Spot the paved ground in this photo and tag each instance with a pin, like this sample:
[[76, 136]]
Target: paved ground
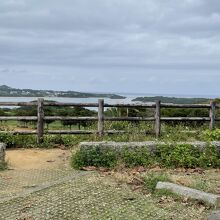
[[79, 195], [32, 194]]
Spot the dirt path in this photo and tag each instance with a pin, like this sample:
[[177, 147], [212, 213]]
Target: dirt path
[[37, 158]]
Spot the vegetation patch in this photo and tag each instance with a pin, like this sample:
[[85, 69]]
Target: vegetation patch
[[151, 180], [95, 156], [50, 141], [188, 156], [167, 155], [212, 135], [3, 166]]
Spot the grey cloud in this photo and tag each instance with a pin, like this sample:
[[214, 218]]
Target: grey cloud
[[145, 37]]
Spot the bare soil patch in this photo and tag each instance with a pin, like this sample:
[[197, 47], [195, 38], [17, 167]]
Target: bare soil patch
[[37, 158]]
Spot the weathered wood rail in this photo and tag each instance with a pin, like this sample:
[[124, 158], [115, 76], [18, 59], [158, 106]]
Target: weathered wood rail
[[41, 118]]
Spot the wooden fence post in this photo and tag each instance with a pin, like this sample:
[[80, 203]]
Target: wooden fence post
[[157, 119], [101, 117], [40, 120], [119, 112], [212, 115]]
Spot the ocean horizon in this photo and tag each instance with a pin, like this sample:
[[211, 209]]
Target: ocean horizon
[[128, 99]]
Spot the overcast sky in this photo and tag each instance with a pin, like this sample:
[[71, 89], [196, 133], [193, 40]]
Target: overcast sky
[[133, 46]]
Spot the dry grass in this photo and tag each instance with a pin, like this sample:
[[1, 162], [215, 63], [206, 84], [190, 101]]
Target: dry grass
[[206, 180]]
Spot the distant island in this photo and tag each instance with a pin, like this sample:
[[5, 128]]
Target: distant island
[[6, 91], [173, 100]]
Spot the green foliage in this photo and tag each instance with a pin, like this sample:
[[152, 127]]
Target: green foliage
[[187, 112], [178, 133], [135, 128], [3, 166], [109, 157], [131, 112], [122, 125], [136, 157], [173, 100], [182, 155], [151, 180], [66, 140], [76, 111], [187, 156], [212, 135], [167, 193], [6, 91], [24, 111], [181, 112], [95, 156], [2, 112], [29, 141], [18, 140], [200, 185], [210, 157]]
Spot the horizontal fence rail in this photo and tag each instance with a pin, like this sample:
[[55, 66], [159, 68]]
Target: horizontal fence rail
[[18, 104], [18, 118], [41, 118], [133, 105]]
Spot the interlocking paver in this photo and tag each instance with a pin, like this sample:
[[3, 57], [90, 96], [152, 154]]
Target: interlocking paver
[[85, 195], [16, 181]]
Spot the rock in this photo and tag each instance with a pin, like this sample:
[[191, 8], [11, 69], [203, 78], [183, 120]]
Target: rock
[[215, 215], [209, 198], [152, 145], [2, 152]]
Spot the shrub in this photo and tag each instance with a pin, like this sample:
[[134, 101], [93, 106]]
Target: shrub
[[212, 135], [95, 156], [3, 166], [209, 157], [188, 156], [182, 155], [27, 141], [136, 157], [18, 140], [109, 157]]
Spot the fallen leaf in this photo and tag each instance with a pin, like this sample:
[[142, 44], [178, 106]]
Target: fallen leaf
[[50, 161]]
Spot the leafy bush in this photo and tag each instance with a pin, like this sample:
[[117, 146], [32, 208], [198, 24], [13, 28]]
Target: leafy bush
[[2, 112], [210, 157], [18, 140], [95, 156], [182, 155], [212, 135], [136, 157], [3, 166], [30, 141], [109, 157], [187, 156], [118, 125]]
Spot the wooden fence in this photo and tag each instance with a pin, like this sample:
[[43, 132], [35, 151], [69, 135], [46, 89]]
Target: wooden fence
[[41, 118]]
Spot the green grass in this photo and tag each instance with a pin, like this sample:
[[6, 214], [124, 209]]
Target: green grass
[[206, 180], [151, 180]]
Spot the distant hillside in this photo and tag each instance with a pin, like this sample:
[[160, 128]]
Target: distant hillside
[[173, 100], [6, 91]]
